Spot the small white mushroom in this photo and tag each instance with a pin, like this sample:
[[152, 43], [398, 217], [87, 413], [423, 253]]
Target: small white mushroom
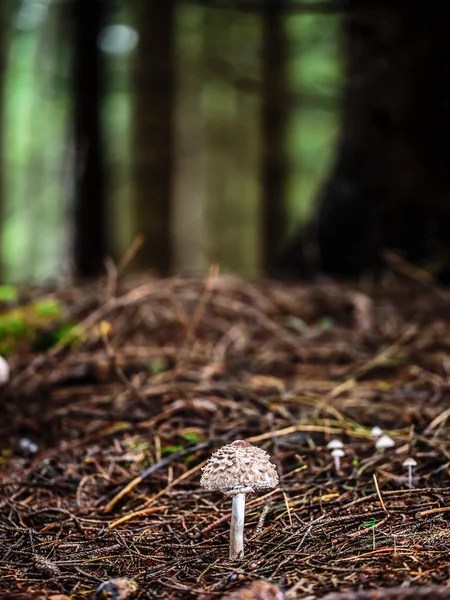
[[335, 444], [27, 447], [337, 454], [376, 432], [384, 442], [410, 463], [236, 470], [4, 370]]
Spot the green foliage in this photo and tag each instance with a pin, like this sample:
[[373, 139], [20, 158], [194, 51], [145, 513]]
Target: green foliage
[[13, 329], [4, 455], [326, 323], [48, 308], [190, 436], [170, 450], [8, 293], [70, 334], [371, 523], [156, 366], [13, 323], [37, 326], [73, 335]]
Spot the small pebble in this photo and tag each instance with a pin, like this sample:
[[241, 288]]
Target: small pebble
[[120, 588], [258, 590]]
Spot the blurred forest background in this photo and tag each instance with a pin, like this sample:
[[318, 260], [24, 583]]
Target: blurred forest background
[[280, 137]]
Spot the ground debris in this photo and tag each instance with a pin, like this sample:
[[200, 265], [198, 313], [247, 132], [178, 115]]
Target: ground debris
[[121, 588], [396, 593], [258, 590], [125, 417]]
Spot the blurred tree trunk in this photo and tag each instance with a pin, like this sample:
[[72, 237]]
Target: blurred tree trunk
[[5, 19], [391, 182], [90, 218], [152, 143], [2, 81], [189, 231], [232, 140], [274, 112]]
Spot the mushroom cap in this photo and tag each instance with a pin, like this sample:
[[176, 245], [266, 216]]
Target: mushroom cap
[[335, 444], [239, 468], [4, 370], [384, 442], [376, 431], [338, 452], [409, 462]]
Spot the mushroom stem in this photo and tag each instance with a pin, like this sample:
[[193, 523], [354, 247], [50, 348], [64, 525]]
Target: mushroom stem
[[237, 527], [410, 476]]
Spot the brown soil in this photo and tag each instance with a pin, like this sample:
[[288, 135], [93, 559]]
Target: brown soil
[[167, 371]]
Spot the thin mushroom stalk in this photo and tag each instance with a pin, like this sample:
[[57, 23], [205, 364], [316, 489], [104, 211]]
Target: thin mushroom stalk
[[237, 526], [337, 454], [410, 476], [410, 463]]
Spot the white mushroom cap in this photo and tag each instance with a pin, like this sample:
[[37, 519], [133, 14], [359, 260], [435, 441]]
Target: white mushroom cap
[[338, 453], [376, 431], [4, 370], [239, 468], [409, 462], [384, 442], [334, 444]]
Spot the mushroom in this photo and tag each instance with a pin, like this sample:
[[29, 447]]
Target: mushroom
[[410, 463], [337, 454], [384, 442], [376, 432], [335, 445], [4, 370], [235, 470]]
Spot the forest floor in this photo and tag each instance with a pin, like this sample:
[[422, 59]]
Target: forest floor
[[120, 392]]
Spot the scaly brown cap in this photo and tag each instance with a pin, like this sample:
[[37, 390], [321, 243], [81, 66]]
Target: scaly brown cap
[[239, 468]]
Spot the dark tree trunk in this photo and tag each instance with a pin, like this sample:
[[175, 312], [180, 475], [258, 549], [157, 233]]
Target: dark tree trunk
[[90, 221], [390, 188], [274, 58], [152, 142]]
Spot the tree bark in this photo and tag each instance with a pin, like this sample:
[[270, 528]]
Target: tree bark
[[390, 184], [152, 133], [274, 57], [90, 218]]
